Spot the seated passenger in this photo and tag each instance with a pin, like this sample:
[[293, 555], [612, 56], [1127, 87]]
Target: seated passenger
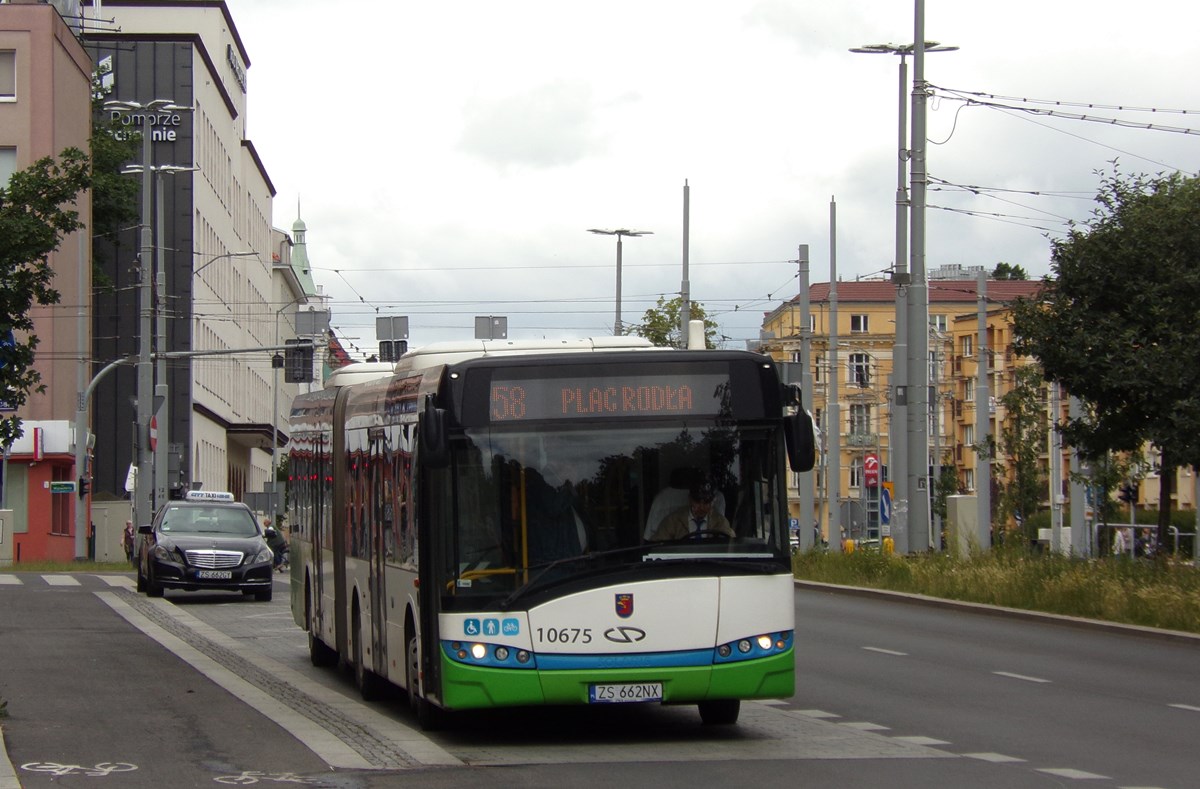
[[699, 516]]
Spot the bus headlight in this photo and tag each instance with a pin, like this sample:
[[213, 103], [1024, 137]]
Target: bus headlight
[[478, 651]]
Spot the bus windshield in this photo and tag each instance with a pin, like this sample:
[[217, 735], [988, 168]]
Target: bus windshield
[[591, 501]]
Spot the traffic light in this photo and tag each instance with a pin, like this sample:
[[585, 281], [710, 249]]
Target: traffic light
[[1128, 493], [85, 486], [298, 362]]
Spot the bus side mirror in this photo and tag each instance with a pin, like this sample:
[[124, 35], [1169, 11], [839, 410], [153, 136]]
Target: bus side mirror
[[801, 441], [435, 446]]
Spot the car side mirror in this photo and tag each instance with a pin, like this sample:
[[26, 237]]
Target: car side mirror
[[146, 528]]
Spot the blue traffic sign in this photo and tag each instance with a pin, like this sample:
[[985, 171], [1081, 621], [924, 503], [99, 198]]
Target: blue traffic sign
[[885, 506]]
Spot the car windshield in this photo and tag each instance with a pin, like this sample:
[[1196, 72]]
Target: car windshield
[[226, 521]]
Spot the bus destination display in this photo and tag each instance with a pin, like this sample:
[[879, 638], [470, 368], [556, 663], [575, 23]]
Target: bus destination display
[[609, 395]]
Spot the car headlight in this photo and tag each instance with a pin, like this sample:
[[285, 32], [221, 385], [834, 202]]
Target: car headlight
[[163, 553], [263, 555]]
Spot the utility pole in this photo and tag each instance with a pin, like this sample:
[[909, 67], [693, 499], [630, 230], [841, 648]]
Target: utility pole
[[805, 483], [918, 312]]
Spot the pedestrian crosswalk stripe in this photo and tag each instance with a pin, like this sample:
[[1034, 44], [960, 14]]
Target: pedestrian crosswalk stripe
[[9, 579], [61, 580]]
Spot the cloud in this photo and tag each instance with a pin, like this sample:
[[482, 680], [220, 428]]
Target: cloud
[[550, 125]]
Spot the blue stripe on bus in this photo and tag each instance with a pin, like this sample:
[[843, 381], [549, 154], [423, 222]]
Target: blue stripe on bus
[[696, 657]]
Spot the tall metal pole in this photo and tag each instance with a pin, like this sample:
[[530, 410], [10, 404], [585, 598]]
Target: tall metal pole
[[162, 410], [983, 421], [898, 424], [685, 287], [82, 374], [145, 368], [805, 483], [833, 423], [617, 320], [918, 312]]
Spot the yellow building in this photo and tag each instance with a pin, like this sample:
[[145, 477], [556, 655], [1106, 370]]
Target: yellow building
[[865, 361]]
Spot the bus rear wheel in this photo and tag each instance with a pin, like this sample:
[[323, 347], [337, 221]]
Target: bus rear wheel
[[720, 712], [370, 686], [319, 653]]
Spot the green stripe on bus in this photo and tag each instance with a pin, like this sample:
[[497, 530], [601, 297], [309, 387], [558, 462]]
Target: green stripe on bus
[[477, 687]]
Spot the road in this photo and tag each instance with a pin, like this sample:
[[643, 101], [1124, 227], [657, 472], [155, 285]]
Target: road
[[109, 688]]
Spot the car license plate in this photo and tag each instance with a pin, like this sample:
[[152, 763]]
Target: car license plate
[[624, 693], [214, 575]]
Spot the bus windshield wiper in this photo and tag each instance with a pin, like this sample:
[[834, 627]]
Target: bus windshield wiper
[[545, 567]]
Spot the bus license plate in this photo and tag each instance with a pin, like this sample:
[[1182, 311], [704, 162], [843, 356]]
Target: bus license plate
[[215, 575], [625, 692]]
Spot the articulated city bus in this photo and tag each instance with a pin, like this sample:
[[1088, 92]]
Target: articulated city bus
[[479, 526]]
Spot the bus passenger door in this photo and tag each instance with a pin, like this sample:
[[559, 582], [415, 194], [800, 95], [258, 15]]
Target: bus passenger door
[[379, 484]]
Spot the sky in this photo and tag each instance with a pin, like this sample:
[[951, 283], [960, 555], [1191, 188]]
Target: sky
[[448, 158]]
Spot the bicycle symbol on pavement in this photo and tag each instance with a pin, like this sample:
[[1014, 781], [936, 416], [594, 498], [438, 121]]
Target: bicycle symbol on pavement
[[248, 777], [98, 771]]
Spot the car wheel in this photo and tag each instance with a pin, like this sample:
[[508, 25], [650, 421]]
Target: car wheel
[[720, 712], [153, 588], [141, 580]]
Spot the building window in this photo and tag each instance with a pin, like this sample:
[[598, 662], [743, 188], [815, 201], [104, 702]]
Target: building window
[[859, 324], [969, 479], [860, 419], [8, 164], [859, 370], [968, 389], [968, 345], [938, 323], [8, 75], [969, 435], [820, 360], [856, 472]]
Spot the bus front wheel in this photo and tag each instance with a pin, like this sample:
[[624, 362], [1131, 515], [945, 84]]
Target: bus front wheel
[[720, 712], [429, 715], [319, 653]]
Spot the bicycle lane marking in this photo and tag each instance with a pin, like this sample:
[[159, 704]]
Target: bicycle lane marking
[[330, 749]]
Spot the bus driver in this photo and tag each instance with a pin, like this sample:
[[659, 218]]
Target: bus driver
[[697, 517]]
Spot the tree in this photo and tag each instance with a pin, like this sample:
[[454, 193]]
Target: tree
[[1022, 442], [1006, 271], [114, 194], [33, 222], [1116, 325], [660, 324]]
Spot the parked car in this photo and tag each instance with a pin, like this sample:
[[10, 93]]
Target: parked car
[[208, 541]]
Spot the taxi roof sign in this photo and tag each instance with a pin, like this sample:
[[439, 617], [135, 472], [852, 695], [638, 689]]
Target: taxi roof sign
[[209, 495]]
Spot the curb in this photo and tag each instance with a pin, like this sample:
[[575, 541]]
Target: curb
[[1176, 636], [8, 774]]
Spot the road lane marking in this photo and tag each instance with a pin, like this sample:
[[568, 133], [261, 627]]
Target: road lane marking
[[818, 714], [917, 740], [864, 726], [1068, 772], [995, 758], [61, 580], [1023, 677], [1187, 707], [10, 580], [119, 581], [883, 651]]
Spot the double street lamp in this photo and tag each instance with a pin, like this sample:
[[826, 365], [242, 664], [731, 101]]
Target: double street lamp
[[908, 374], [150, 113], [619, 234]]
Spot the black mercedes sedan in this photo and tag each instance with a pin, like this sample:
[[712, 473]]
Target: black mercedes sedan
[[208, 541]]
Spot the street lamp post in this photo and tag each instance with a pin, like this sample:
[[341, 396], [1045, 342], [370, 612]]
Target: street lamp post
[[145, 368], [901, 278], [619, 234]]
